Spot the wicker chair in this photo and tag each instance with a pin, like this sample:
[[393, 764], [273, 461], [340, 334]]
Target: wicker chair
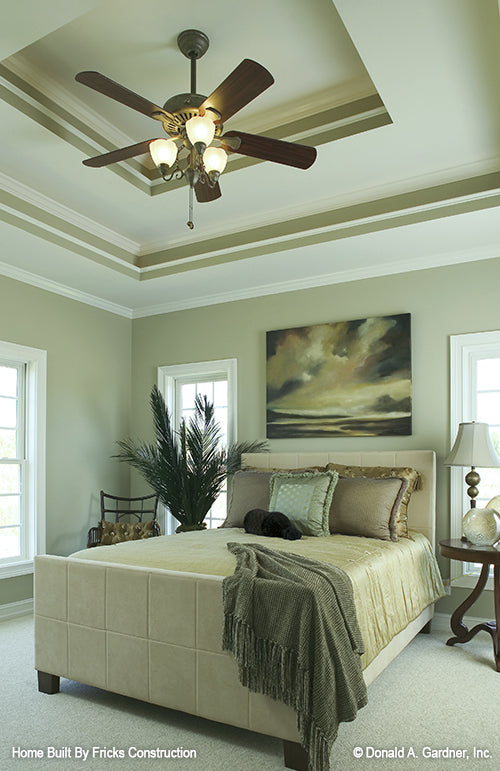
[[133, 511]]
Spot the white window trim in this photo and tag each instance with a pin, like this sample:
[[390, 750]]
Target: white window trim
[[220, 368], [464, 351], [36, 415]]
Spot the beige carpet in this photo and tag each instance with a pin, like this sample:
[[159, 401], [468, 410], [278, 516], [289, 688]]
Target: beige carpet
[[431, 696]]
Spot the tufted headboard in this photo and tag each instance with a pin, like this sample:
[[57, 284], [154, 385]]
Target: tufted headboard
[[422, 506]]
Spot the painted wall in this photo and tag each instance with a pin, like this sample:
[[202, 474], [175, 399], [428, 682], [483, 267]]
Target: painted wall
[[93, 400], [88, 408], [442, 301]]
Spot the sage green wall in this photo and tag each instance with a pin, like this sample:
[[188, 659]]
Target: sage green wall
[[88, 408], [442, 302]]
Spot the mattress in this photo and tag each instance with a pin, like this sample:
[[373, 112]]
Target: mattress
[[392, 581]]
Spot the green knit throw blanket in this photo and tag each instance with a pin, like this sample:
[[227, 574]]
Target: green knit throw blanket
[[291, 624]]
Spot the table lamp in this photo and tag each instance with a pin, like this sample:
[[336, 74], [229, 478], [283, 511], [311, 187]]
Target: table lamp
[[473, 448]]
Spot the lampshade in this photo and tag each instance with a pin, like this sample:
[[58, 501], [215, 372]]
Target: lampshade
[[200, 130], [215, 159], [473, 447], [163, 151]]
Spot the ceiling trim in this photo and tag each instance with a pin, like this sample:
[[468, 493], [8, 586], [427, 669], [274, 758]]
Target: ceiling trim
[[312, 282], [49, 205], [367, 216], [27, 277]]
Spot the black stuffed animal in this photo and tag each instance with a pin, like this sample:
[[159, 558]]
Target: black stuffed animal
[[271, 523]]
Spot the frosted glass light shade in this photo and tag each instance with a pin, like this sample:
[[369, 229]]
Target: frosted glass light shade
[[473, 447], [215, 159], [163, 151], [200, 130]]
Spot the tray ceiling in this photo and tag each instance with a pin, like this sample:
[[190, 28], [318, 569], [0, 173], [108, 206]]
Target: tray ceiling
[[400, 100]]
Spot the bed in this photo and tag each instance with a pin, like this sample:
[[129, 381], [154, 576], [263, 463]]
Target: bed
[[129, 625]]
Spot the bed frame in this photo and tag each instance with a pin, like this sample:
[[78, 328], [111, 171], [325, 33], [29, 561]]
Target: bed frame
[[155, 635]]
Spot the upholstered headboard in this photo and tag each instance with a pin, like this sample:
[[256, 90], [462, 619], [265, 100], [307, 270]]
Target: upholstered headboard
[[422, 506]]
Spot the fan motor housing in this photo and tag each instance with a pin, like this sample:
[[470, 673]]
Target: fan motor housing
[[181, 108]]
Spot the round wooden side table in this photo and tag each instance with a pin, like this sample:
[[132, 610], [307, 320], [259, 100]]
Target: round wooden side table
[[465, 551]]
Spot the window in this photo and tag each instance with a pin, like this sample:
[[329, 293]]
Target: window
[[475, 395], [180, 384], [22, 457]]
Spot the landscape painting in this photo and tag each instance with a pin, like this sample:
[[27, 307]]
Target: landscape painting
[[348, 378]]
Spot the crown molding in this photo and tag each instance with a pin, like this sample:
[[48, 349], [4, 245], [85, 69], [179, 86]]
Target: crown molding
[[294, 285], [49, 205], [33, 76], [27, 277], [66, 123], [337, 277]]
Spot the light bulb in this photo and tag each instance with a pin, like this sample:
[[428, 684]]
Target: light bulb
[[214, 159], [200, 131], [163, 152]]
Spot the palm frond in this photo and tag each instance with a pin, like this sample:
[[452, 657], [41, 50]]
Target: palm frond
[[186, 468]]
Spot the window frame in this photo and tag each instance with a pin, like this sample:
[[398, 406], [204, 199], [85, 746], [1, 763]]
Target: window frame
[[33, 522], [169, 376], [465, 351]]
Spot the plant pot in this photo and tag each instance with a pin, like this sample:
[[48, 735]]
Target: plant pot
[[188, 528]]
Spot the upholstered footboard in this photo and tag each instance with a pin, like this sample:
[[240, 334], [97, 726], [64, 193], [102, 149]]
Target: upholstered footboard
[[151, 634], [155, 635]]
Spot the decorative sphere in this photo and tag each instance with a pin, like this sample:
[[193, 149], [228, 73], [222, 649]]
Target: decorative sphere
[[481, 526], [494, 504]]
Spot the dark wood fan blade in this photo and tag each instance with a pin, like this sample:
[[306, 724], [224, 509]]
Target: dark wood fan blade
[[267, 149], [119, 93], [205, 194], [118, 155], [247, 81]]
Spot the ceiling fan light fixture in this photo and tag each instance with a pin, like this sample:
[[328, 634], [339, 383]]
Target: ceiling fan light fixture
[[214, 160], [163, 152], [200, 131]]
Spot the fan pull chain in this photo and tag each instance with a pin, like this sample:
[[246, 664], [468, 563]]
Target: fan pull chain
[[190, 222]]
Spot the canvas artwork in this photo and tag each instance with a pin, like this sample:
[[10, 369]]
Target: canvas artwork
[[348, 378]]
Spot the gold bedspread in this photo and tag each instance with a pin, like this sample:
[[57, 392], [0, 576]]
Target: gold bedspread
[[392, 581]]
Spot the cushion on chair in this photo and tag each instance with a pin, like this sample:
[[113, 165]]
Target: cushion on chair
[[115, 532]]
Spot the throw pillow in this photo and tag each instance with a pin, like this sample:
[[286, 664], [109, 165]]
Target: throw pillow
[[367, 506], [247, 490], [305, 498], [410, 474]]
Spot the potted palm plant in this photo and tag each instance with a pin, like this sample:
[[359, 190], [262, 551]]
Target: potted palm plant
[[186, 468]]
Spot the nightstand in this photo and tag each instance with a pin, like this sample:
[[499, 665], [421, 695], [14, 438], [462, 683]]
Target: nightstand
[[465, 551]]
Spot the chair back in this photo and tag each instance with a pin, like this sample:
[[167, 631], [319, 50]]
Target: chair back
[[120, 507]]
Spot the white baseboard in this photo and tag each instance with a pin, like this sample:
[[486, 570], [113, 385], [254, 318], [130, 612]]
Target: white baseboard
[[14, 609]]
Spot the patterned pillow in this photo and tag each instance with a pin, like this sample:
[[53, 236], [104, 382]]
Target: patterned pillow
[[367, 506], [305, 498], [410, 474]]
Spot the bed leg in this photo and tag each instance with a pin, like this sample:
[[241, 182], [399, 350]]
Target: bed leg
[[48, 683], [295, 756], [427, 628]]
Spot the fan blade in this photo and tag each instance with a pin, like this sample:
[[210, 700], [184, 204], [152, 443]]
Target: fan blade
[[119, 93], [118, 155], [267, 149], [205, 194], [247, 81]]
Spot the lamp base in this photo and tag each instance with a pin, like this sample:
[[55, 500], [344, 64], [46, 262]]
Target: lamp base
[[481, 526]]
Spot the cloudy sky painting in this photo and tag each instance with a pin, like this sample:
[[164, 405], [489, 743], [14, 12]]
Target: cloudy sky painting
[[350, 378]]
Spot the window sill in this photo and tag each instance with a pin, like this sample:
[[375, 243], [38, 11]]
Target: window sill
[[12, 569]]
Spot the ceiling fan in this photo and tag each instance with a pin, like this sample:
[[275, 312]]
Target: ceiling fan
[[197, 149]]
